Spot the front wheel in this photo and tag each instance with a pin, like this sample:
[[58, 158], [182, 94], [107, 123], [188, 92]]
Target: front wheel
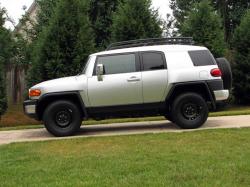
[[62, 118], [189, 111]]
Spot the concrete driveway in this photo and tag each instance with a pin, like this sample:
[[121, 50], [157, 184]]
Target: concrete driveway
[[7, 137]]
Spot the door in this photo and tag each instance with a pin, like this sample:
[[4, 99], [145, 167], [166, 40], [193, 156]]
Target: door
[[154, 76], [121, 83]]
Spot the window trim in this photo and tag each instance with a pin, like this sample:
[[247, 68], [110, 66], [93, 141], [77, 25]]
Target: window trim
[[158, 52], [137, 61]]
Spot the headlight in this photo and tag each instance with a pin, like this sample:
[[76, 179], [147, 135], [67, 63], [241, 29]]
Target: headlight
[[35, 93]]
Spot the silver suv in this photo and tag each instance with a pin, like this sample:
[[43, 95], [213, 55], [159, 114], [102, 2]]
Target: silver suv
[[149, 77]]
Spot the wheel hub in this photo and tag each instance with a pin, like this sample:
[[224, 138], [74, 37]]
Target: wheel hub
[[191, 111], [63, 118]]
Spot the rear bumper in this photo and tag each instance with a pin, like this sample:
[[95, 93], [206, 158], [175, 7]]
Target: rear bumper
[[29, 108], [221, 95]]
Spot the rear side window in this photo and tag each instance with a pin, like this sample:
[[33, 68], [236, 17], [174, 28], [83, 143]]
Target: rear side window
[[202, 58], [118, 63], [153, 61]]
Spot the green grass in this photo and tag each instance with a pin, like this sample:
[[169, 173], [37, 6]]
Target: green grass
[[230, 111], [205, 158]]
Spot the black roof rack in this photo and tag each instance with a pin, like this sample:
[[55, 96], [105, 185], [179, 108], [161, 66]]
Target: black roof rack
[[150, 42]]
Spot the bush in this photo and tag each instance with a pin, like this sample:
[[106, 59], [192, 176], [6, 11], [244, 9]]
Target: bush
[[241, 68], [5, 55]]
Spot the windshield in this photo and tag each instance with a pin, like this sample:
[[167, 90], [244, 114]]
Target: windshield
[[86, 65]]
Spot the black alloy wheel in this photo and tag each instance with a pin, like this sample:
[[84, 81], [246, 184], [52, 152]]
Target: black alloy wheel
[[62, 118], [189, 111]]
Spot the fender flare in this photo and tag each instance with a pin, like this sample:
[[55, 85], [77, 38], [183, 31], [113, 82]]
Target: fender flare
[[185, 85], [63, 95]]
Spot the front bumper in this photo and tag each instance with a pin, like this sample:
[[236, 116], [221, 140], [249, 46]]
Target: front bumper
[[29, 108], [221, 95]]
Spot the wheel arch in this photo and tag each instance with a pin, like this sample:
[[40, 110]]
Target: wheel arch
[[48, 98], [201, 88]]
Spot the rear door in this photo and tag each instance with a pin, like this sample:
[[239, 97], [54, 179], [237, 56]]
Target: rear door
[[154, 76]]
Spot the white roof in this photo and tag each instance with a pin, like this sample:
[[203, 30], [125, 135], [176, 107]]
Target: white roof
[[153, 48]]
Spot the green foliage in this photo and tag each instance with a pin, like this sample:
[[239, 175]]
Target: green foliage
[[64, 45], [3, 99], [204, 25], [100, 15], [241, 69], [5, 55], [25, 43], [21, 50], [181, 8], [5, 40], [134, 20], [230, 11], [46, 11]]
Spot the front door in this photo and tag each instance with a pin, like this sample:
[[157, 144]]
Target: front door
[[121, 83]]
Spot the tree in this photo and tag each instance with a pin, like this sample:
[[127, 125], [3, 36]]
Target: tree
[[241, 69], [135, 20], [230, 11], [3, 99], [5, 55], [64, 45], [45, 12], [204, 25], [27, 44], [100, 15], [181, 8]]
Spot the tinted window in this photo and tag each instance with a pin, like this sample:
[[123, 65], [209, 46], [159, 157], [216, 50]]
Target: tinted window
[[153, 61], [202, 58], [118, 63]]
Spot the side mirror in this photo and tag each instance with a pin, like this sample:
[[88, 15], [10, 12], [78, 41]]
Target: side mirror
[[100, 72]]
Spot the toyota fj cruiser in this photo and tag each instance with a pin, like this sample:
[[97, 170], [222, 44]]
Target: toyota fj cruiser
[[168, 77]]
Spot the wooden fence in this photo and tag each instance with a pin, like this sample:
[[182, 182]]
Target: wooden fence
[[16, 83]]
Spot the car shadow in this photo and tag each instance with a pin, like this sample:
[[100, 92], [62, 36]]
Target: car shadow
[[127, 127]]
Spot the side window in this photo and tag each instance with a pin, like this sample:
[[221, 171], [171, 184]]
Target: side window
[[202, 58], [118, 63], [153, 61]]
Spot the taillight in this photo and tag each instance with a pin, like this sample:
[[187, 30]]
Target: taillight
[[216, 72]]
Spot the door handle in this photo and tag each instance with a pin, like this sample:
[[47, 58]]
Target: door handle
[[133, 79]]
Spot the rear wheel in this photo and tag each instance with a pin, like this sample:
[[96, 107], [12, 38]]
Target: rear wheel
[[62, 118], [189, 111]]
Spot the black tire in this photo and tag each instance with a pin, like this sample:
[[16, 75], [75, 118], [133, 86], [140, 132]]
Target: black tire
[[189, 111], [62, 118], [226, 70]]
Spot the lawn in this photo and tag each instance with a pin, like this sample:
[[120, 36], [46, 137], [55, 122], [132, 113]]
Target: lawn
[[205, 158]]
